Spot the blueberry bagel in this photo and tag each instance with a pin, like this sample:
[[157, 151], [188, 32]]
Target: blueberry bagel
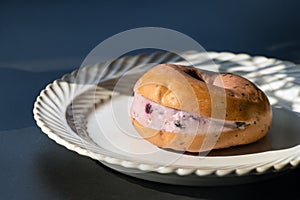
[[177, 107]]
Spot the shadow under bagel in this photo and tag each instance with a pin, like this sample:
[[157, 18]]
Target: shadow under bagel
[[83, 178], [278, 137]]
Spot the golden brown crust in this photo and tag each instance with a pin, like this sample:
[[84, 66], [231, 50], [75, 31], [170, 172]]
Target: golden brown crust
[[192, 90]]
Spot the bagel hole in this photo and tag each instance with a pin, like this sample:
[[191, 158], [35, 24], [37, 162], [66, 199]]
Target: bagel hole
[[193, 73]]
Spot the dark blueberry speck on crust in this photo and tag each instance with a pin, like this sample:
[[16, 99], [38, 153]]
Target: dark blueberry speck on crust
[[240, 124], [148, 108]]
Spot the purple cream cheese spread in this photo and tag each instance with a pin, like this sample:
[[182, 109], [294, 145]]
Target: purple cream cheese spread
[[153, 115]]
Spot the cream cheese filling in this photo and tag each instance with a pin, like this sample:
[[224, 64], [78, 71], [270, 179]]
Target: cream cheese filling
[[153, 115]]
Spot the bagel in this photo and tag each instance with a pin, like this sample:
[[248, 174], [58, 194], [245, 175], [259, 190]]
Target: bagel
[[187, 109]]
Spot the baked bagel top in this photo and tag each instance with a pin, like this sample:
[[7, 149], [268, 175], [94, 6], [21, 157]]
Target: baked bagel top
[[221, 96]]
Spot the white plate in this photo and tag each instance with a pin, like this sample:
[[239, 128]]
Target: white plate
[[87, 112]]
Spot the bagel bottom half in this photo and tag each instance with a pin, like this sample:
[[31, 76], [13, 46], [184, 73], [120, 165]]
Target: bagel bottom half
[[194, 142]]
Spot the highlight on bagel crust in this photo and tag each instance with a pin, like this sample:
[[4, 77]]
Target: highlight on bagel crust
[[179, 107]]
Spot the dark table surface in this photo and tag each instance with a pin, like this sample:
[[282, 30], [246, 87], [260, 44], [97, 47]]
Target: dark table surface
[[41, 41]]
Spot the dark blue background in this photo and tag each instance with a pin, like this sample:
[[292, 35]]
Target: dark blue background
[[55, 29], [41, 41]]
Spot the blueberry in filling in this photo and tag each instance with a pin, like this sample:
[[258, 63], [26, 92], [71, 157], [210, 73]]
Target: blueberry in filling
[[178, 124], [148, 108]]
